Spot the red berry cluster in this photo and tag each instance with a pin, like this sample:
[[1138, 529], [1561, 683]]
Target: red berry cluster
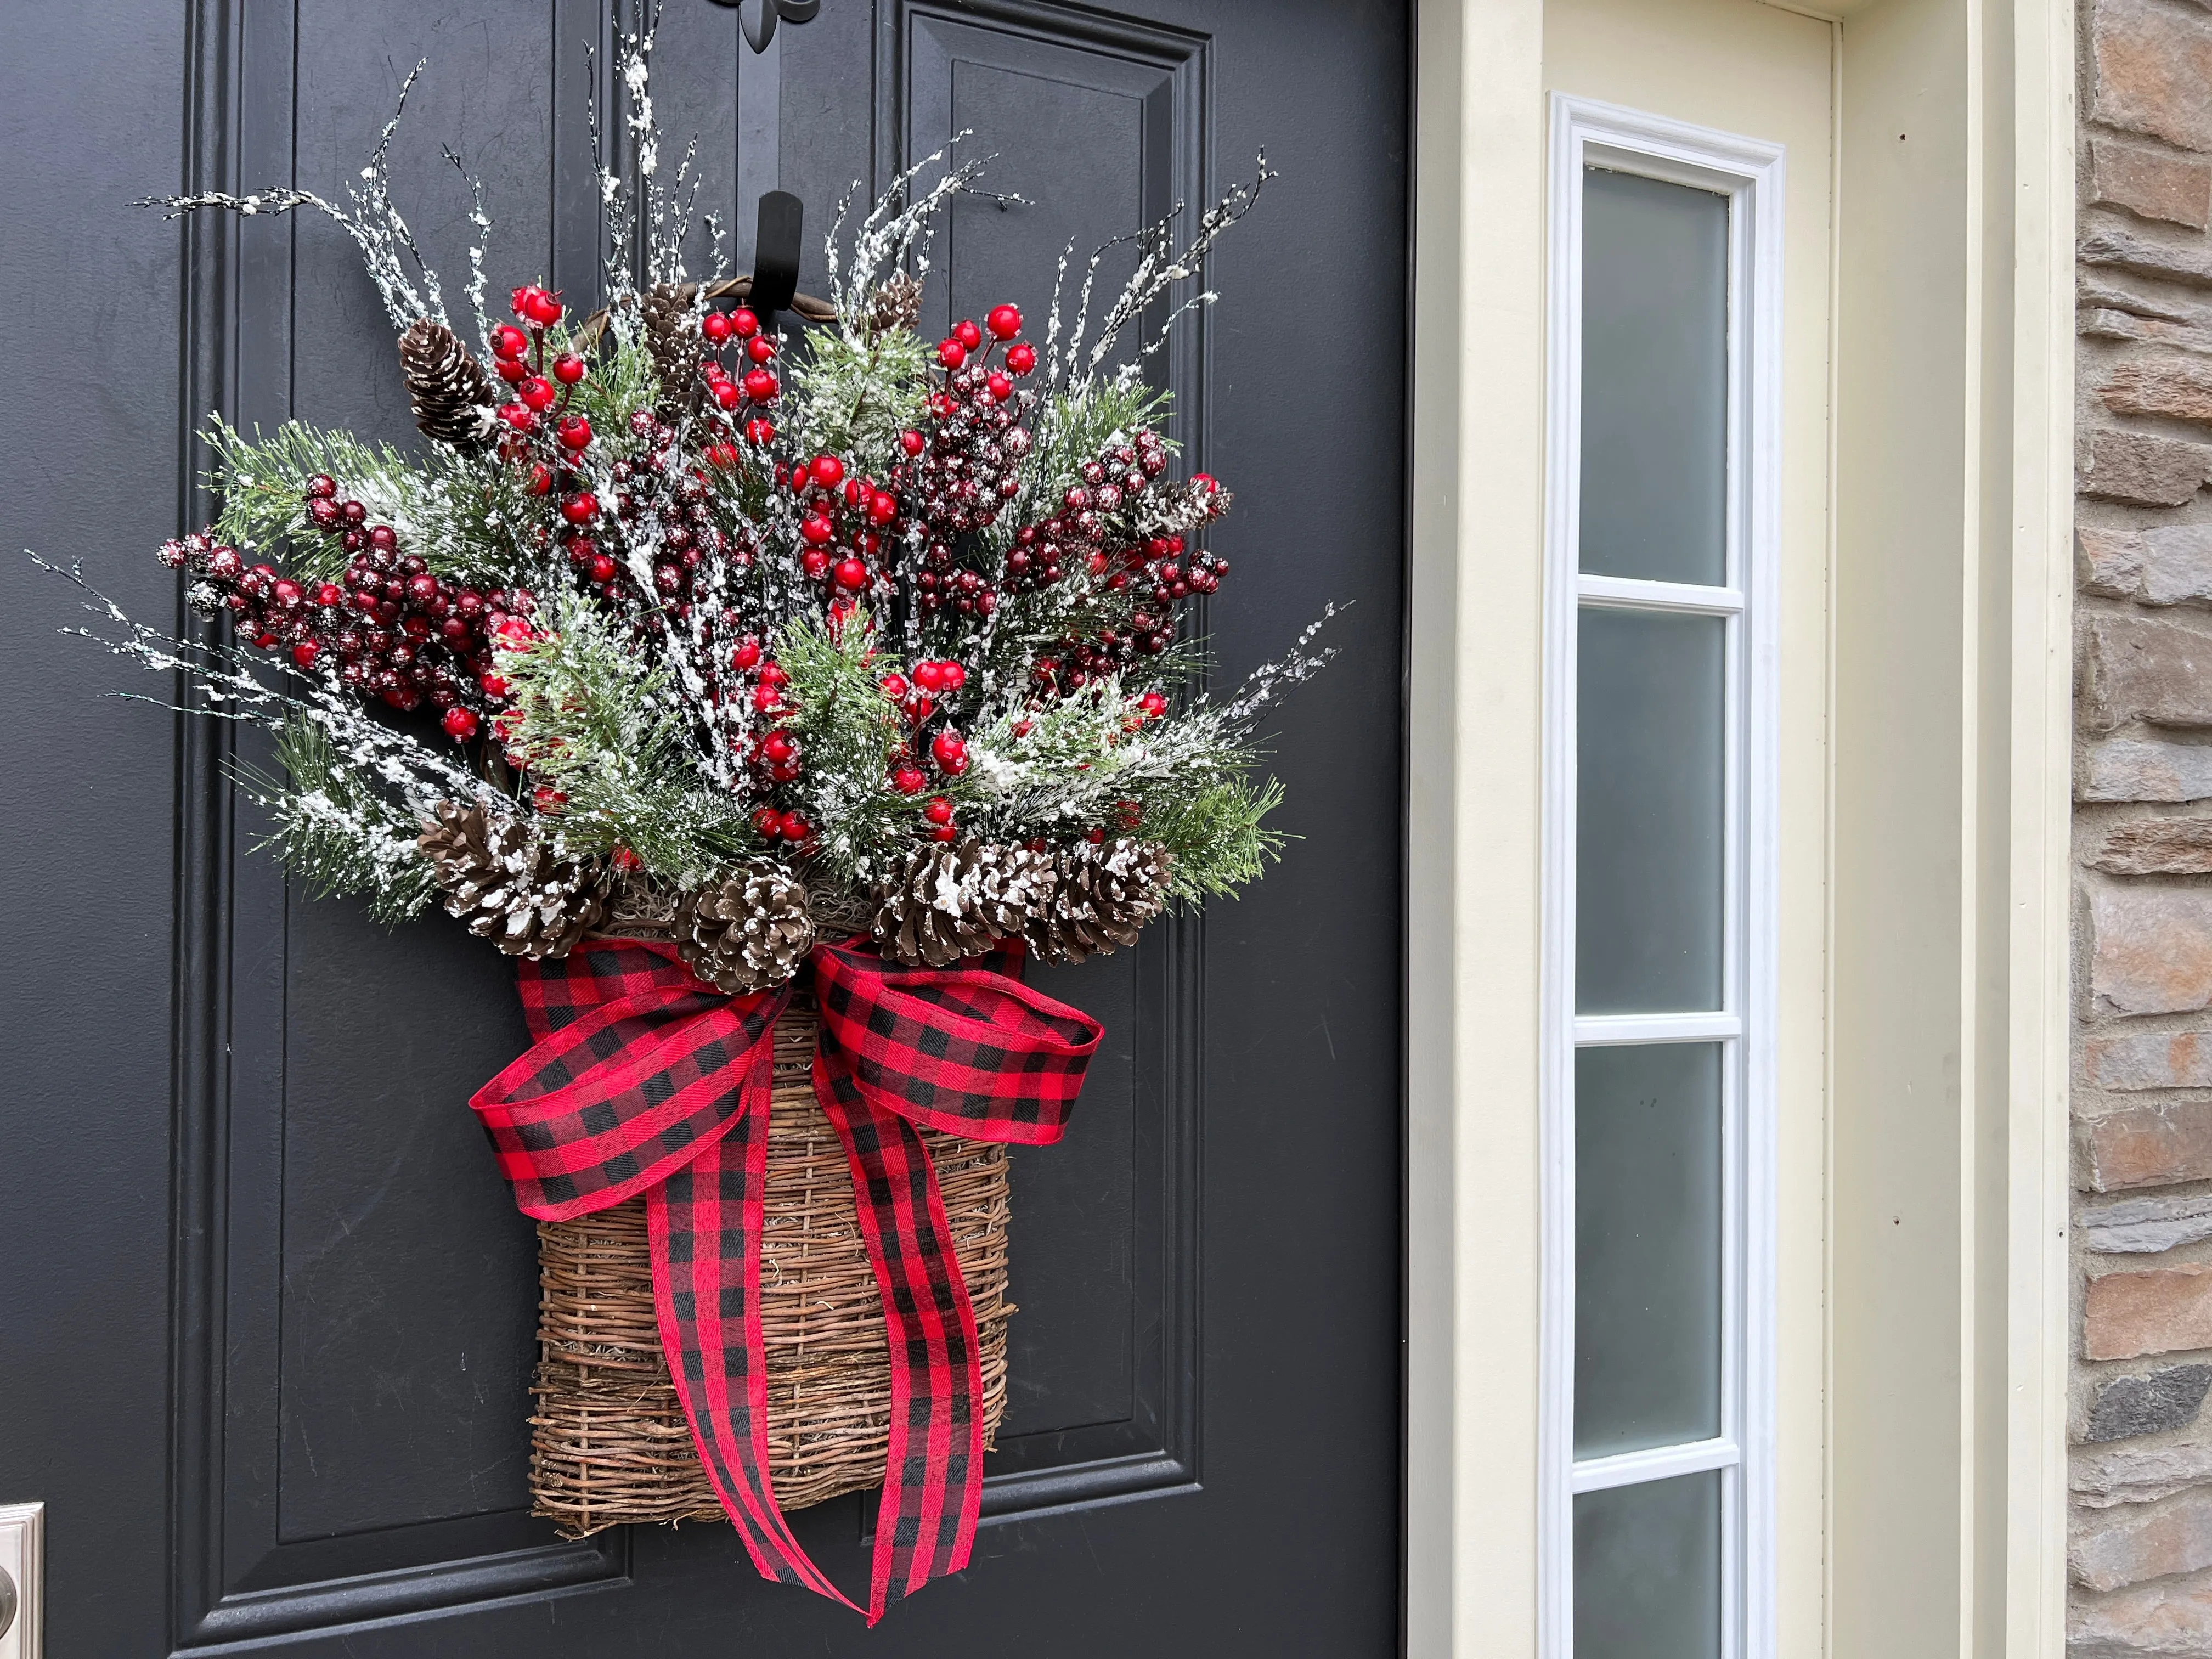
[[917, 694], [397, 632], [842, 522], [961, 474], [755, 384], [1081, 529]]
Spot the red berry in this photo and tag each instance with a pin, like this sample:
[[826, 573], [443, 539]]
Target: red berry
[[511, 369], [582, 507], [826, 470], [322, 487], [1004, 322], [744, 324], [727, 394], [768, 823], [761, 348], [850, 575], [1021, 359], [602, 568], [518, 415], [521, 299], [746, 655], [949, 751], [460, 724], [908, 779], [721, 455], [568, 368], [953, 675], [305, 652], [912, 442], [760, 432], [496, 685], [509, 341], [951, 353], [1204, 481], [545, 309], [715, 326], [1153, 705], [535, 394], [929, 676], [937, 810], [815, 562], [541, 479], [1000, 387], [817, 531], [575, 433], [768, 697], [762, 387], [882, 508], [778, 747], [794, 827], [895, 686], [967, 334]]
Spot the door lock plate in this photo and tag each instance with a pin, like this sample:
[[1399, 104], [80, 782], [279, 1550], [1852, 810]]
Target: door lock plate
[[22, 1580]]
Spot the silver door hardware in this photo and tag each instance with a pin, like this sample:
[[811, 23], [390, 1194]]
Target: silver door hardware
[[22, 1576]]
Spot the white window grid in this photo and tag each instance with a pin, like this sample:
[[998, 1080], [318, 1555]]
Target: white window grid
[[1750, 173]]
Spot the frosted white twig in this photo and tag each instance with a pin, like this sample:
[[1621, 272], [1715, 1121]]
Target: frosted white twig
[[377, 226]]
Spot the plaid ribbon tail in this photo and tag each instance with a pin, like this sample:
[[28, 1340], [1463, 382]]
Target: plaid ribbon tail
[[643, 1081]]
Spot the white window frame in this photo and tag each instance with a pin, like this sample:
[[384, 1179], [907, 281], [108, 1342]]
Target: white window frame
[[1750, 172]]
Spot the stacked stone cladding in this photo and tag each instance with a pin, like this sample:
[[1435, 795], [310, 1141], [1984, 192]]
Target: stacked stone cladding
[[2141, 1470]]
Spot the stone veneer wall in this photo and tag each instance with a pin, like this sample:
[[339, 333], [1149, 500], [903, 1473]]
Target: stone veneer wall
[[2141, 1554]]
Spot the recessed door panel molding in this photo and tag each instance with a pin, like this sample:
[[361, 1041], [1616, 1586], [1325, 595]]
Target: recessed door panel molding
[[318, 1481], [1097, 124]]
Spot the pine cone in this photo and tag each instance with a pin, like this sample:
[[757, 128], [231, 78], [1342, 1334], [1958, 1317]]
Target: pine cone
[[506, 885], [452, 396], [1107, 892], [896, 305], [672, 335], [747, 932], [956, 901], [1174, 510]]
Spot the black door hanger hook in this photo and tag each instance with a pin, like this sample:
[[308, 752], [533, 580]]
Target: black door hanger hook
[[776, 256]]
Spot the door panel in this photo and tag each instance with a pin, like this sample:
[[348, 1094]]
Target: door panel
[[1202, 1443]]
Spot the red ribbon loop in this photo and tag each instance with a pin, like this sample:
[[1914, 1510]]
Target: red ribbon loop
[[642, 1079]]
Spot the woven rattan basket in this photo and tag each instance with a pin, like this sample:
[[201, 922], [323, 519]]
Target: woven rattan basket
[[609, 1442]]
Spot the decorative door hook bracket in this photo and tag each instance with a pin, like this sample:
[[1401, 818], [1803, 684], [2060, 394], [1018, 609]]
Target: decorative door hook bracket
[[759, 17]]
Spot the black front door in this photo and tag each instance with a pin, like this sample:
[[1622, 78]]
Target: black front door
[[266, 1310]]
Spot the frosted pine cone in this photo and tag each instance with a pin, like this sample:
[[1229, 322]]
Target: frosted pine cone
[[747, 932], [1107, 892], [894, 306], [956, 901], [453, 398], [505, 883], [672, 335], [1171, 509]]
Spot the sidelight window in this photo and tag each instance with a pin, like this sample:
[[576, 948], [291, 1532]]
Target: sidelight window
[[1665, 285]]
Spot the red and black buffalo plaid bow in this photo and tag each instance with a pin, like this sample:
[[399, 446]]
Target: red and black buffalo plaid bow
[[644, 1080]]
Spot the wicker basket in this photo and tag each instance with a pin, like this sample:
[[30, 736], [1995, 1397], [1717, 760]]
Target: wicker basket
[[609, 1442]]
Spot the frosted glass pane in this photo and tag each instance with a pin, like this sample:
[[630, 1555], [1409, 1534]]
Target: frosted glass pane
[[1647, 1246], [1647, 1570], [1648, 865], [1655, 380]]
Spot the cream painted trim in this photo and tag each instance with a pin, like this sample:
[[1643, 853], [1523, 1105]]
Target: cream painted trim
[[1476, 610], [2039, 1280], [1475, 621]]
